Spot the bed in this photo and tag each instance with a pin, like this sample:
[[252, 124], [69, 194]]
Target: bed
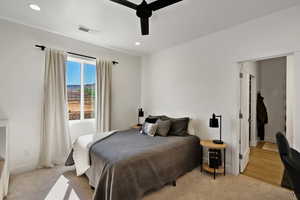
[[126, 165]]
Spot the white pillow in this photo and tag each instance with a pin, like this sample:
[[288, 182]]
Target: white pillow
[[149, 129]]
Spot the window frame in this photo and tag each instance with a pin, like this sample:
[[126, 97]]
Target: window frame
[[82, 62]]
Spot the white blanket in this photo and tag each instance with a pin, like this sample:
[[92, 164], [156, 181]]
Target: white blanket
[[81, 148]]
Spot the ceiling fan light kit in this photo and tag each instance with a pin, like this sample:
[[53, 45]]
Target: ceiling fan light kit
[[144, 10]]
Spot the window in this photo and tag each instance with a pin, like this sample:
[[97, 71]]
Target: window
[[81, 88]]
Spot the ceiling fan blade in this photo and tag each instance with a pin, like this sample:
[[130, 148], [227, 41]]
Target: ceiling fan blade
[[161, 4], [125, 3], [145, 26]]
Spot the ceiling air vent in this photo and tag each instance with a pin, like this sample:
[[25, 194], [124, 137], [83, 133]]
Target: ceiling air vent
[[84, 29]]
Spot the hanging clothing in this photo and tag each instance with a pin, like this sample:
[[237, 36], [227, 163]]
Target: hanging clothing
[[261, 116]]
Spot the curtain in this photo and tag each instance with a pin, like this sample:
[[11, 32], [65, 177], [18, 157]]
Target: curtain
[[55, 140], [104, 76]]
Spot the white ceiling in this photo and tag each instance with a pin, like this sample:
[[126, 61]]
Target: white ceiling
[[118, 27]]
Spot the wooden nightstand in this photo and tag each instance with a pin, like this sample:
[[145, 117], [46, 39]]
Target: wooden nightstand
[[210, 145], [136, 126]]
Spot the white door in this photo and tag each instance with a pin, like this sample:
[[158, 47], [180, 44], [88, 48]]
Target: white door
[[252, 116], [244, 119]]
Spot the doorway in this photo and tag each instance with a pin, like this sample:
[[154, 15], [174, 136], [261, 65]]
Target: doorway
[[262, 115]]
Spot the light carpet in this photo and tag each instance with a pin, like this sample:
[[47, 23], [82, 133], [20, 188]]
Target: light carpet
[[61, 183]]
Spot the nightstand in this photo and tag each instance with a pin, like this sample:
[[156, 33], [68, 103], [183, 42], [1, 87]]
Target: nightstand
[[136, 126], [205, 166]]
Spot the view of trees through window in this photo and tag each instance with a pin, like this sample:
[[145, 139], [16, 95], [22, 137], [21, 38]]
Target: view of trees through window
[[81, 89]]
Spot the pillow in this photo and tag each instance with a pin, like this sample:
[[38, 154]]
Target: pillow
[[162, 117], [151, 120], [179, 126], [163, 127], [149, 129]]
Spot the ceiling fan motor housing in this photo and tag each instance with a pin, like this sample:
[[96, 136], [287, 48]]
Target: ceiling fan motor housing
[[143, 10]]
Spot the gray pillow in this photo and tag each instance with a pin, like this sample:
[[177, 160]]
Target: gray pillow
[[149, 129], [179, 126], [163, 127]]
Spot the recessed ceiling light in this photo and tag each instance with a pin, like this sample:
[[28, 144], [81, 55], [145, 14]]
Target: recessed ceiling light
[[137, 43], [34, 7]]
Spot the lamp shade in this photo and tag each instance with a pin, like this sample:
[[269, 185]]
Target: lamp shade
[[141, 112], [213, 122]]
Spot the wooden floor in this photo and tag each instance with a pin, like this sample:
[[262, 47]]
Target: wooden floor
[[264, 165]]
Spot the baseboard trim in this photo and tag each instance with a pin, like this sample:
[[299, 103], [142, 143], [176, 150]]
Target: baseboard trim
[[21, 168], [268, 139]]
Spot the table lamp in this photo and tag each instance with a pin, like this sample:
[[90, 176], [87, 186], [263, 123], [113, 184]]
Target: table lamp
[[140, 114], [214, 123]]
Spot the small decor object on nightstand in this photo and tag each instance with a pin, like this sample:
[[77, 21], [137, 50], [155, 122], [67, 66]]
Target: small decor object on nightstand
[[214, 123], [214, 158], [140, 114]]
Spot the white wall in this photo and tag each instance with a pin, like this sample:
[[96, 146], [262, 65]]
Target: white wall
[[272, 76], [290, 98], [296, 114], [21, 86], [200, 77]]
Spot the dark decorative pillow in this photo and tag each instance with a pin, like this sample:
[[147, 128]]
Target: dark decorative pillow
[[161, 117], [179, 126], [163, 127], [151, 120]]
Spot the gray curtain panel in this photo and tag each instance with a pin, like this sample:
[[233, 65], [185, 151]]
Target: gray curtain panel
[[55, 139], [104, 76]]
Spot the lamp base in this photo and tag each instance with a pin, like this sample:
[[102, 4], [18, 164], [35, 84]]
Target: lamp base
[[218, 142]]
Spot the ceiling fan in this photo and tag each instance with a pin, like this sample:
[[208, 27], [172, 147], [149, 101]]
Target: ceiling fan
[[144, 10]]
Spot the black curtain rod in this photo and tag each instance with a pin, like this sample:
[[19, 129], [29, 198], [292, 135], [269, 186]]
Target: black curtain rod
[[76, 54]]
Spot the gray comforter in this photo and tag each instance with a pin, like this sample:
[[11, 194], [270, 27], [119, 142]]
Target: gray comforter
[[126, 165]]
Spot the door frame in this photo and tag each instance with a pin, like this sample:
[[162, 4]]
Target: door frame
[[236, 139]]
